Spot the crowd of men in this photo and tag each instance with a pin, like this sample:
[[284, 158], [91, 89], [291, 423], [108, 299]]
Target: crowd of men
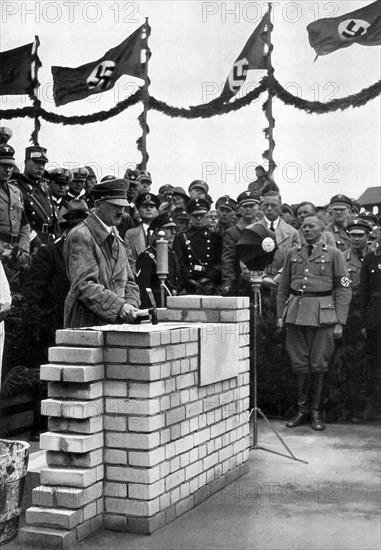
[[83, 252]]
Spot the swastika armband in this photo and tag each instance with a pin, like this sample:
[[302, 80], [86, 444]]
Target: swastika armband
[[342, 282]]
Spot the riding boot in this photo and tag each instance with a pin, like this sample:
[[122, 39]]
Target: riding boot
[[303, 391], [317, 422]]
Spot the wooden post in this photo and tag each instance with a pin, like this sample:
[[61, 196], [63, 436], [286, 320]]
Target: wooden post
[[35, 65], [269, 110]]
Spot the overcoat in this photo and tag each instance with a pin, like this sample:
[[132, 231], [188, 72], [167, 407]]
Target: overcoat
[[286, 237], [100, 277]]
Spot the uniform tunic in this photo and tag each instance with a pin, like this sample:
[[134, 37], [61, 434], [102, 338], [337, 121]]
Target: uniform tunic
[[39, 209], [230, 265], [199, 252], [13, 220], [310, 318], [341, 236]]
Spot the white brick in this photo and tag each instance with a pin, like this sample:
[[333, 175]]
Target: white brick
[[146, 458], [175, 336], [132, 440], [115, 456], [191, 349], [90, 390], [169, 315], [46, 537], [134, 475], [133, 338], [71, 409], [219, 302], [175, 415], [75, 460], [76, 355], [115, 355], [80, 337], [175, 351], [153, 389], [88, 426], [184, 302], [64, 519], [115, 422], [146, 492], [135, 407], [146, 356], [235, 316], [132, 507], [69, 477], [127, 372], [174, 479], [146, 423], [70, 443], [193, 409], [185, 380], [89, 511], [165, 370], [184, 444], [115, 388], [117, 490], [185, 335]]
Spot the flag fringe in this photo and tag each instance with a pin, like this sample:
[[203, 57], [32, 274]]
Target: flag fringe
[[202, 111]]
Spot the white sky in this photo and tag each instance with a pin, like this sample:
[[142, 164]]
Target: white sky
[[194, 45]]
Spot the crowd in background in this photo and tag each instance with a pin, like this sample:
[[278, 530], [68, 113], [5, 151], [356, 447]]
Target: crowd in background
[[38, 209]]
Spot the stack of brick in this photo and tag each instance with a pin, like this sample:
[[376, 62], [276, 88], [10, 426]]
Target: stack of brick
[[68, 506], [168, 443]]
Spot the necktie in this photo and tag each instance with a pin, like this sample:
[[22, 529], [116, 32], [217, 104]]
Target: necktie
[[272, 228], [310, 249]]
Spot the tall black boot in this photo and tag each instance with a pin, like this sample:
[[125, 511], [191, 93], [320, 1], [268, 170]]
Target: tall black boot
[[317, 422], [303, 389]]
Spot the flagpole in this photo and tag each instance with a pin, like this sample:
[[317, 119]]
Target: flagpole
[[35, 65], [269, 107], [142, 142]]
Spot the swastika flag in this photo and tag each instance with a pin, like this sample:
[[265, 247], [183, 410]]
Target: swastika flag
[[18, 69], [99, 76], [362, 26], [253, 56]]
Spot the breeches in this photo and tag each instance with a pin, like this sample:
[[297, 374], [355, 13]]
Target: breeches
[[310, 348]]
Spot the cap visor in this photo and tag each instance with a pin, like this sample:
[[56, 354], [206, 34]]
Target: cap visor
[[8, 161], [117, 202], [200, 211]]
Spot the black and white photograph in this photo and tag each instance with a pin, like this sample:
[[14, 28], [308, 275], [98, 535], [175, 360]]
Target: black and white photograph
[[190, 274]]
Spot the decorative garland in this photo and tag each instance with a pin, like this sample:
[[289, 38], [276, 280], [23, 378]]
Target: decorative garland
[[204, 111]]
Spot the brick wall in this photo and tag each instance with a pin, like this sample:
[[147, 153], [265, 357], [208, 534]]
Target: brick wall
[[135, 441]]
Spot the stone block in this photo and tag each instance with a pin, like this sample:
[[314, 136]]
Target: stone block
[[70, 443], [235, 316], [90, 390], [115, 388], [132, 440], [46, 537], [146, 356], [59, 518], [184, 302], [66, 497], [175, 351], [80, 337], [133, 339], [153, 389], [115, 355], [141, 372], [88, 426], [71, 409], [76, 460], [75, 355], [146, 423], [69, 477]]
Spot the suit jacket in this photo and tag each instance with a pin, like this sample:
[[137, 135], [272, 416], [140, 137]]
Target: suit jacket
[[101, 279], [286, 237], [135, 242], [323, 271]]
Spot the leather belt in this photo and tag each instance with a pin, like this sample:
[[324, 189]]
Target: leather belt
[[10, 239], [301, 294]]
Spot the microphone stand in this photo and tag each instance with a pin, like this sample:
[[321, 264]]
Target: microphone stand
[[162, 264], [255, 281]]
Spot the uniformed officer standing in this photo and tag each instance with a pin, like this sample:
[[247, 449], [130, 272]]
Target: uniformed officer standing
[[313, 300], [39, 207], [341, 207], [77, 184], [199, 252], [59, 179], [14, 227], [226, 208], [146, 267], [353, 342]]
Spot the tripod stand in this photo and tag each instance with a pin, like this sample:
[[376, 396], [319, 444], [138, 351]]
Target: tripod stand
[[255, 281]]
